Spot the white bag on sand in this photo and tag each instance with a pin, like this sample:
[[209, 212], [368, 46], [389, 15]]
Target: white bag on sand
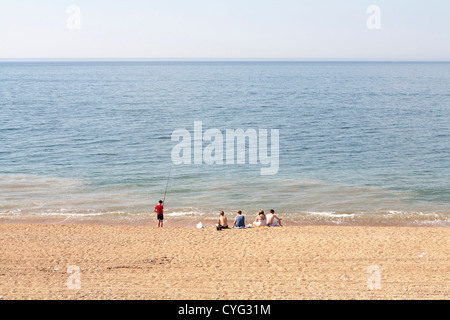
[[199, 225]]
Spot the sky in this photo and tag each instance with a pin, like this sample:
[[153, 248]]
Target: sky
[[225, 29]]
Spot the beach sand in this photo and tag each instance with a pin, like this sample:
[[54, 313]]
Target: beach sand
[[293, 262]]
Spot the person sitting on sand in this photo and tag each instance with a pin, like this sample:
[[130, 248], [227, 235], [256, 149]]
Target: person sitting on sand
[[270, 219], [239, 221], [261, 220], [223, 222]]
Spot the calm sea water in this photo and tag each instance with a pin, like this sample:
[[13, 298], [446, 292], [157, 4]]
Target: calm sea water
[[360, 142]]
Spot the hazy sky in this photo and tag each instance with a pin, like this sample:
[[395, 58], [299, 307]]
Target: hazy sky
[[299, 29]]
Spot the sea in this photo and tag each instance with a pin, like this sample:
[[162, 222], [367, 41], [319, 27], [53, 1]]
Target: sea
[[360, 143]]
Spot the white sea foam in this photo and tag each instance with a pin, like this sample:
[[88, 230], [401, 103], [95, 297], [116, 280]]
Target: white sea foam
[[32, 196], [331, 214], [191, 212]]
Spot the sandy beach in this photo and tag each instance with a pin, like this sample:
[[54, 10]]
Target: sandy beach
[[293, 262]]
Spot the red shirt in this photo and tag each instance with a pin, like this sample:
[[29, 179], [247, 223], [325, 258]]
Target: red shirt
[[159, 209]]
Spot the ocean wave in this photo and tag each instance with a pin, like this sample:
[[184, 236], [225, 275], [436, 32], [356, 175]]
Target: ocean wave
[[387, 218], [331, 214], [10, 182], [321, 202]]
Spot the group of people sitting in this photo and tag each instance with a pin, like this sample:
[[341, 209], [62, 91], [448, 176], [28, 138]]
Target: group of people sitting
[[262, 220]]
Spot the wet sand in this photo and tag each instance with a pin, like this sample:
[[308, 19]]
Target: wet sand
[[292, 262]]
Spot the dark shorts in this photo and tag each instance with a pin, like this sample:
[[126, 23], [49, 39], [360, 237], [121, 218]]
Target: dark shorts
[[160, 217]]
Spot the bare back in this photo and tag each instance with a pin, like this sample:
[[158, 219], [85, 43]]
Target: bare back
[[223, 221]]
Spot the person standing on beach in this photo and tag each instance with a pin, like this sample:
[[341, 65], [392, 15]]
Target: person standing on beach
[[159, 209], [270, 219]]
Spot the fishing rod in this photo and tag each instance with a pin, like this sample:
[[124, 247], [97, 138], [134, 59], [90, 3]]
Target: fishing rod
[[167, 184]]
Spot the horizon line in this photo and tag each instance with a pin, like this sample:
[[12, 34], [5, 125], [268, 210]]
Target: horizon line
[[181, 59]]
